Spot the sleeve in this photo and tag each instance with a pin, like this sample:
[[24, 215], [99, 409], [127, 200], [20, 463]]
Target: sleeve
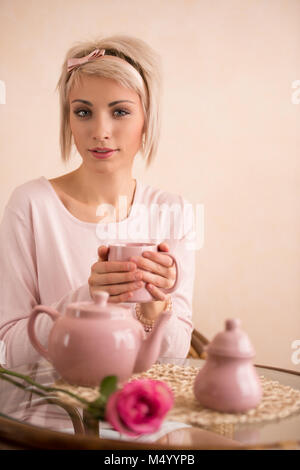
[[19, 292], [178, 330]]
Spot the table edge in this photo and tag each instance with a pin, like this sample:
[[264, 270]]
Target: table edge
[[34, 437], [288, 371]]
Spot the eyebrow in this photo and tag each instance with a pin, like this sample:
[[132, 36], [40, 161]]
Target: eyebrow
[[110, 104]]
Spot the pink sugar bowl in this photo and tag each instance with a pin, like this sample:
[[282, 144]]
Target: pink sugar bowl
[[228, 381]]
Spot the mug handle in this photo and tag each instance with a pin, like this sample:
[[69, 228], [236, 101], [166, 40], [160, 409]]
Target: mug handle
[[31, 323], [178, 274]]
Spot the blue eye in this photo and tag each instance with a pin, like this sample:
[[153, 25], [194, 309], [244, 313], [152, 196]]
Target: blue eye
[[79, 111], [122, 111]]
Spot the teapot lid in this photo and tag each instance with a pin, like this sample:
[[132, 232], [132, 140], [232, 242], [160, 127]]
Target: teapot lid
[[99, 305], [233, 342]]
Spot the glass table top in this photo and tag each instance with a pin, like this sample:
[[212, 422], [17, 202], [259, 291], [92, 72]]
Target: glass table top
[[29, 408]]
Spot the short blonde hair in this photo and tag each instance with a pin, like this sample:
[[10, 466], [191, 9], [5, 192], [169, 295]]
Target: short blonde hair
[[143, 58]]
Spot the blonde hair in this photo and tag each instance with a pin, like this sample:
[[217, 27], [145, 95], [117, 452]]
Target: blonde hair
[[143, 58]]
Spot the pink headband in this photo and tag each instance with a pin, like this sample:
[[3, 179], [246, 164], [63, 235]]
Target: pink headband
[[75, 62]]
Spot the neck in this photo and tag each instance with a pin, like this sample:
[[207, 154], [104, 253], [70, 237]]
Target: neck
[[94, 189]]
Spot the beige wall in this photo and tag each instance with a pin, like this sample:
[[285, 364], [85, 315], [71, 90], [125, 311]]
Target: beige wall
[[230, 137]]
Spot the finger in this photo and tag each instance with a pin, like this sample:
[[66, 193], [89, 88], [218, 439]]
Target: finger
[[113, 266], [149, 265], [103, 252], [119, 289], [163, 246], [156, 292], [115, 299], [157, 280], [115, 278], [120, 292], [164, 260]]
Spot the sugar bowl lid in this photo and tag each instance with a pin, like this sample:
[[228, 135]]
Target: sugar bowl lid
[[232, 342], [98, 305]]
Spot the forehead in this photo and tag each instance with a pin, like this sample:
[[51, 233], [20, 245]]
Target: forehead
[[94, 88]]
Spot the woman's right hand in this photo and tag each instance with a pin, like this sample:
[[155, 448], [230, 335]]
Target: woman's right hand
[[118, 278]]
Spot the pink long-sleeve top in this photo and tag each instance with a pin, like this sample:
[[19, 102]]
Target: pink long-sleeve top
[[46, 255]]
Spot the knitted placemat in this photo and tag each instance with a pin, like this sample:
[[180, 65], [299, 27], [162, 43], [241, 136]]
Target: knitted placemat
[[278, 401]]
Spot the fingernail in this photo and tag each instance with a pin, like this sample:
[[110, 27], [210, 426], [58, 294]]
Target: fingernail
[[132, 266]]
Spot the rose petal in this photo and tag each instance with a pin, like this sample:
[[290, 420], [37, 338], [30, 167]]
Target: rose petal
[[158, 397], [112, 416], [148, 428], [140, 406]]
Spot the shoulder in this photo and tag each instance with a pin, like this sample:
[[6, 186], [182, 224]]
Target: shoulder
[[26, 192], [25, 197], [167, 208], [154, 195]]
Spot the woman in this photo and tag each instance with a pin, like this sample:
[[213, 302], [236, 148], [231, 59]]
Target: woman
[[54, 233]]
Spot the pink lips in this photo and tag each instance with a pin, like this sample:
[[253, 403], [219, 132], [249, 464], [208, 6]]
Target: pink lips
[[102, 155]]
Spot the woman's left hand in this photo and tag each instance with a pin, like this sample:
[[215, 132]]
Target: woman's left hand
[[159, 271]]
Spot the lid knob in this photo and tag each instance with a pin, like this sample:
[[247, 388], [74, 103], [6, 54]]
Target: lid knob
[[101, 298], [232, 341], [232, 324]]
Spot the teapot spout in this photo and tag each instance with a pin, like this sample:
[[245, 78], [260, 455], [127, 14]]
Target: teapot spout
[[150, 347]]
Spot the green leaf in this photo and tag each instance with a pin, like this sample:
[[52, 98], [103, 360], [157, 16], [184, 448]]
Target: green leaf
[[108, 386], [97, 408]]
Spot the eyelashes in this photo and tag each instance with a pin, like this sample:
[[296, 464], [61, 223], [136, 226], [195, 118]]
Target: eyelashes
[[80, 116]]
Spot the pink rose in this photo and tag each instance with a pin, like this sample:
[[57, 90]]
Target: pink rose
[[139, 407]]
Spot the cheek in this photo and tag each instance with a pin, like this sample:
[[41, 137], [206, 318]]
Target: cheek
[[76, 129], [134, 133]]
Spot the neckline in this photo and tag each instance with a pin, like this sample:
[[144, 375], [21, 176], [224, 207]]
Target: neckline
[[92, 224]]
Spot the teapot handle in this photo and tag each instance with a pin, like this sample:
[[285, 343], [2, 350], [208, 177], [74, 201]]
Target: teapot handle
[[30, 327], [178, 273]]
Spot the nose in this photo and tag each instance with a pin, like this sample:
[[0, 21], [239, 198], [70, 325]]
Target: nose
[[102, 128]]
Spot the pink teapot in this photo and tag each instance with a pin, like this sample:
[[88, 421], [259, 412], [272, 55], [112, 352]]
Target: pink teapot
[[228, 381], [95, 339]]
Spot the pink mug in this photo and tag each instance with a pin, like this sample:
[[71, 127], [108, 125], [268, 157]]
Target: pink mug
[[123, 252]]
